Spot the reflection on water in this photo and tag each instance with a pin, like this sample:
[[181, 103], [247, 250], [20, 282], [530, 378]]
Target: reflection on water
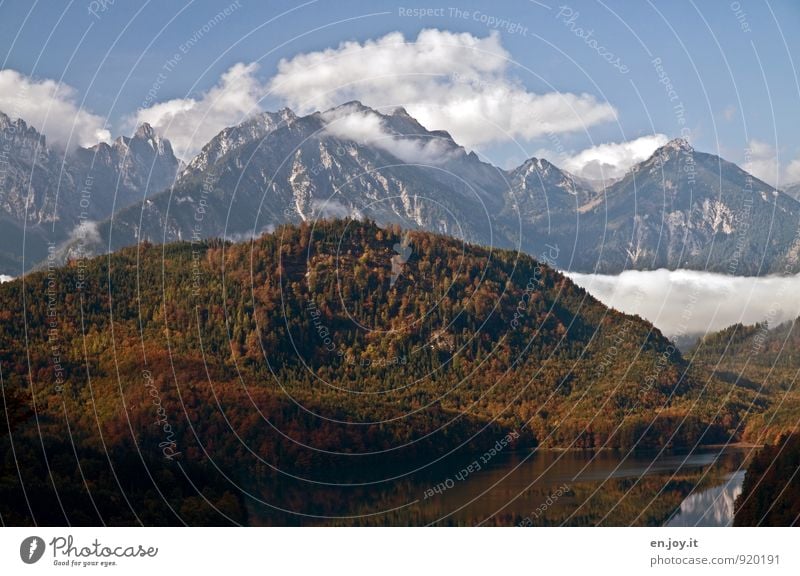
[[710, 507], [603, 488], [538, 489]]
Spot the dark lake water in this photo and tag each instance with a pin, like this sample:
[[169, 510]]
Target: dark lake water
[[602, 488], [544, 488]]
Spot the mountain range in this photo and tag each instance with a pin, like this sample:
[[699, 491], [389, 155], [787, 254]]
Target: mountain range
[[49, 195], [680, 208]]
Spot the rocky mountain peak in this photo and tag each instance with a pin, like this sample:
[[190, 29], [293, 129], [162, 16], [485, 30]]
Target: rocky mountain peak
[[20, 131], [287, 115], [252, 129], [675, 149], [676, 145], [538, 166], [352, 106], [145, 132]]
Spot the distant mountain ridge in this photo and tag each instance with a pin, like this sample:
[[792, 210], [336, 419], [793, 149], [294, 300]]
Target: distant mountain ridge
[[680, 208], [47, 193], [303, 168]]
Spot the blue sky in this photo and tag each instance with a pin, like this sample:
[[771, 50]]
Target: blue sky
[[731, 70]]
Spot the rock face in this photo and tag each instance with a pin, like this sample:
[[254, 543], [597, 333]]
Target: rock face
[[131, 168], [234, 137], [46, 193], [680, 208]]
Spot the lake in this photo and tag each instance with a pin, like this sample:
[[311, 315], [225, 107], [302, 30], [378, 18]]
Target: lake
[[544, 488]]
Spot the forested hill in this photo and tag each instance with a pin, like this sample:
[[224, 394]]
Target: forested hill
[[292, 353], [764, 359]]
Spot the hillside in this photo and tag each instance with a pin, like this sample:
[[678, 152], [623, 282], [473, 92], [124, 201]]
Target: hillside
[[765, 360], [793, 190], [771, 491], [331, 353]]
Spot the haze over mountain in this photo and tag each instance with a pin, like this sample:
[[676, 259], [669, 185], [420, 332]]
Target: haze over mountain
[[793, 190], [680, 208]]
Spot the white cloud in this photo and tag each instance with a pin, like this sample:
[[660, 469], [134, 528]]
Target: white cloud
[[729, 112], [610, 160], [329, 209], [86, 232], [685, 302], [249, 234], [793, 172], [4, 278], [452, 81], [52, 109], [762, 162], [189, 123], [354, 124], [367, 127]]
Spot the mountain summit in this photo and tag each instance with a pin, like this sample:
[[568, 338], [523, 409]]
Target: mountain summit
[[682, 208], [678, 145]]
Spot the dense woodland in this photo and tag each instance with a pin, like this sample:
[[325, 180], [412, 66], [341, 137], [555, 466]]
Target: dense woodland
[[218, 383], [771, 490], [767, 361]]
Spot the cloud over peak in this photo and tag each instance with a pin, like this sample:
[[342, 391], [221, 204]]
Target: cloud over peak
[[191, 122], [51, 108], [368, 127], [610, 160]]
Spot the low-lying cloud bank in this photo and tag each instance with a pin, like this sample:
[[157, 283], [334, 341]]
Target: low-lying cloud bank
[[685, 302]]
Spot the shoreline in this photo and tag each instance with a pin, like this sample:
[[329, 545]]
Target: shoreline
[[737, 445]]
